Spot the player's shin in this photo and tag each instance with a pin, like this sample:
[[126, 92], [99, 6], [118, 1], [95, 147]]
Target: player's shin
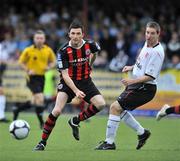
[[39, 112], [112, 126], [132, 122], [48, 126], [89, 112]]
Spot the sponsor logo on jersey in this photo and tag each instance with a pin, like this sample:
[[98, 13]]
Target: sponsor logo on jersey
[[88, 52], [60, 86]]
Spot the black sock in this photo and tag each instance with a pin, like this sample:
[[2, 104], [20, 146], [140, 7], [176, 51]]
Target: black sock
[[39, 112], [20, 107]]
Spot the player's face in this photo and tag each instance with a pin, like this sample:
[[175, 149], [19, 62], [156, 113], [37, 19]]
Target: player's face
[[39, 39], [152, 36], [76, 36]]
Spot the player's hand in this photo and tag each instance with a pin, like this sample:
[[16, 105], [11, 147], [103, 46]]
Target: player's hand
[[80, 94], [47, 68], [127, 82], [31, 72], [127, 68]]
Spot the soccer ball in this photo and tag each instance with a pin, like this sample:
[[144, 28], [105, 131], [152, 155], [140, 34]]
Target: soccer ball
[[19, 129]]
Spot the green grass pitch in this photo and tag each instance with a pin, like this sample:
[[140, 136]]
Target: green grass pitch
[[163, 145]]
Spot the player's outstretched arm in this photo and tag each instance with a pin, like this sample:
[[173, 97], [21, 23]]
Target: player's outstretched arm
[[127, 68], [71, 84]]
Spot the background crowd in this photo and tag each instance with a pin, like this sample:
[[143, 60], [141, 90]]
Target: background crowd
[[118, 26]]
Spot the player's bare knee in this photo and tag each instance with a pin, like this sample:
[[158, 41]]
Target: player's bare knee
[[101, 107], [101, 104], [56, 111], [115, 108]]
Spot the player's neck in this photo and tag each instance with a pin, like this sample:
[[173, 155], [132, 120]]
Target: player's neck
[[38, 46], [76, 46], [152, 44]]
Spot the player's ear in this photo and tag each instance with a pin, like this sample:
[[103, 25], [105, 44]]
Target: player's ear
[[69, 34]]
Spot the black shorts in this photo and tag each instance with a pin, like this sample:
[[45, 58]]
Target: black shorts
[[85, 85], [136, 95], [2, 69], [36, 83]]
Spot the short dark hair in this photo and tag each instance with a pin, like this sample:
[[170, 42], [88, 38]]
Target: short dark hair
[[76, 24], [153, 24]]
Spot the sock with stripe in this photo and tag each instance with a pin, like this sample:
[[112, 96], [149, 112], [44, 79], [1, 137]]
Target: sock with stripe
[[85, 114], [48, 126], [112, 126]]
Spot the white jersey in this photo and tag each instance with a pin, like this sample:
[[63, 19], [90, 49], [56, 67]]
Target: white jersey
[[149, 62], [3, 53]]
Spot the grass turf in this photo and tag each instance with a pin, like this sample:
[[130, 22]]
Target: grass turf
[[163, 145]]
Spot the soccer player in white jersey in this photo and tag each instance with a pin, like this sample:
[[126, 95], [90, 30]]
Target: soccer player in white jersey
[[140, 89]]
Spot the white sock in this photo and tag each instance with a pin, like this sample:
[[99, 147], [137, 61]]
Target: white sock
[[112, 126], [2, 106], [132, 122]]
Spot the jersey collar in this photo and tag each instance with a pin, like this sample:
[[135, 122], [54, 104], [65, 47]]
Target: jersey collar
[[83, 42]]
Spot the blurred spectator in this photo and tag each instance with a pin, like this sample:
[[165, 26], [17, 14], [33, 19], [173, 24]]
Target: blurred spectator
[[121, 58], [23, 42], [54, 17], [173, 45], [9, 47], [118, 62], [13, 17], [107, 43], [48, 16], [101, 60], [175, 61], [135, 47]]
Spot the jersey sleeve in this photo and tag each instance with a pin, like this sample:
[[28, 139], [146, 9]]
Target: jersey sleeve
[[52, 57], [62, 60], [154, 65], [94, 47]]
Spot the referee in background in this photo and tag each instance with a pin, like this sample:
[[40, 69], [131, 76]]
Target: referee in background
[[36, 60]]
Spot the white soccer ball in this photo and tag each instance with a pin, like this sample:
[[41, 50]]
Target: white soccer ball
[[19, 129]]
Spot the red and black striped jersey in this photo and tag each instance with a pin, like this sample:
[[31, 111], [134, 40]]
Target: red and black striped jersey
[[77, 60]]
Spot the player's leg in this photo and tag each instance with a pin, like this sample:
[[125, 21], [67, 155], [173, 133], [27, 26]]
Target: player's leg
[[36, 85], [129, 99], [117, 114], [112, 126], [2, 106], [2, 96], [166, 110], [134, 97], [61, 100], [39, 107], [98, 103], [20, 107]]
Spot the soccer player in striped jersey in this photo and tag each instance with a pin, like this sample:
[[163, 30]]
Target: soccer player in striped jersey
[[167, 110], [140, 89], [75, 60]]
